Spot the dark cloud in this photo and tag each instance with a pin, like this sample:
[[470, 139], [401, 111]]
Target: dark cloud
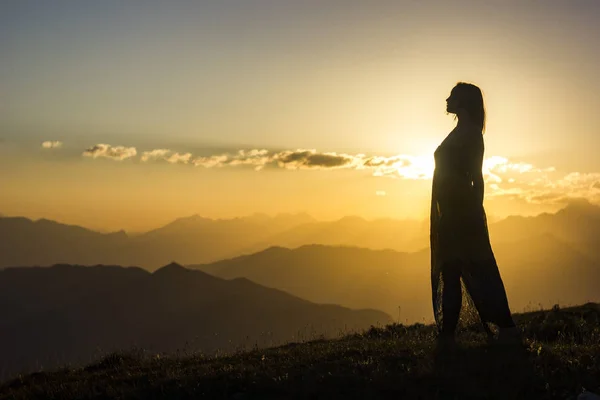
[[396, 161], [292, 157], [307, 159], [315, 159]]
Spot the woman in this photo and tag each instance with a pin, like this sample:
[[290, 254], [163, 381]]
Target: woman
[[463, 267]]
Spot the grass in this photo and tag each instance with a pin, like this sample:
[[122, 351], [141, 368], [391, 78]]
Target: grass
[[559, 359]]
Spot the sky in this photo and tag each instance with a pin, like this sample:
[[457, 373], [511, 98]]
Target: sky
[[126, 115]]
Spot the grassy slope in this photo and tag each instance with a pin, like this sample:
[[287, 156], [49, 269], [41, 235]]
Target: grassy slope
[[561, 356]]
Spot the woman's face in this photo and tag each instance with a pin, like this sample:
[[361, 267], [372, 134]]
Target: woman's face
[[452, 102]]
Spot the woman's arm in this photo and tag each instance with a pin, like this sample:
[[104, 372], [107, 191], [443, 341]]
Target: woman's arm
[[476, 171], [478, 186]]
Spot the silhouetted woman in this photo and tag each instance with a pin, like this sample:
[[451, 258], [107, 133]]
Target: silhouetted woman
[[462, 261]]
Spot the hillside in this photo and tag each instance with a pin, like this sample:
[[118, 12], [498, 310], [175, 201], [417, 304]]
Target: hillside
[[73, 314], [541, 270], [380, 279], [558, 360]]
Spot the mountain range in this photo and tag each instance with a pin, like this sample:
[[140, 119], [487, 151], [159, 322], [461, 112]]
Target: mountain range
[[24, 242], [542, 271], [198, 240], [245, 287], [68, 314]]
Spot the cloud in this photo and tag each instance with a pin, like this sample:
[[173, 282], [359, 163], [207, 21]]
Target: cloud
[[119, 153], [52, 144], [288, 159], [257, 158], [211, 161], [166, 155], [154, 154], [495, 167], [504, 177], [547, 186], [401, 166], [579, 179], [311, 159], [178, 158]]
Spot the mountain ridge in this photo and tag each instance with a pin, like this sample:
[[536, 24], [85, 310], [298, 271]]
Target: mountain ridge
[[547, 270], [81, 309], [199, 240]]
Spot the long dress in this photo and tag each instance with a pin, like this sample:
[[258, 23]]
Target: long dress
[[459, 235]]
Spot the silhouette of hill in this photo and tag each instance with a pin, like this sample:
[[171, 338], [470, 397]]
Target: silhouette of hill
[[577, 224], [72, 314], [342, 275], [191, 240], [198, 240], [44, 242], [558, 361], [542, 270]]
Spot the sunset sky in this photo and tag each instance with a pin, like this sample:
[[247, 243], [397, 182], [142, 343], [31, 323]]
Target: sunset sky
[[126, 115]]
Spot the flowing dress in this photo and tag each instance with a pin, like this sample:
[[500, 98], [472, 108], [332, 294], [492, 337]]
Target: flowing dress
[[459, 233]]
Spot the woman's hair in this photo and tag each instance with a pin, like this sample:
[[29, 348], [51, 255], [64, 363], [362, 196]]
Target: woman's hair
[[470, 99]]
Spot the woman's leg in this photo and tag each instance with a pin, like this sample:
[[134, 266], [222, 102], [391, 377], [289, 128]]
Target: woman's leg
[[451, 297]]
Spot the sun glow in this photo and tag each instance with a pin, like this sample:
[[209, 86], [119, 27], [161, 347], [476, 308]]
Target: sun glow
[[421, 167]]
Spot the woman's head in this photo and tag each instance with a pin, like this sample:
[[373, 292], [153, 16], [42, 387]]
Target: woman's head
[[466, 99]]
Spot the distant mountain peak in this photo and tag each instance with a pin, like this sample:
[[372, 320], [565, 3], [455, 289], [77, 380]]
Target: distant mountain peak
[[273, 249], [192, 218], [173, 267], [580, 206]]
